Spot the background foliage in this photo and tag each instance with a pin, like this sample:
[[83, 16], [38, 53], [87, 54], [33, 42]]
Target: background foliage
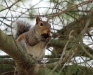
[[72, 31]]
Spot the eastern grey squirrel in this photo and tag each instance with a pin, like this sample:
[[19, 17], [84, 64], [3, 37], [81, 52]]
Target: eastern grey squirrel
[[34, 39]]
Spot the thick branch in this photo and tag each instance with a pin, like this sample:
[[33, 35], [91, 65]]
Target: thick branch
[[60, 44], [25, 63], [8, 45], [78, 25]]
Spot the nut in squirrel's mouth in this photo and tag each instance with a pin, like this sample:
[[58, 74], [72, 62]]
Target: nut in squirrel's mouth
[[45, 35]]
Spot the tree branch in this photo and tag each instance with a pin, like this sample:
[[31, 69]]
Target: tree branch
[[25, 63], [10, 5], [8, 73], [20, 56], [77, 25], [7, 61], [70, 8], [5, 56]]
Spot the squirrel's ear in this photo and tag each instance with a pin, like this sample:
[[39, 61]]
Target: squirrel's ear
[[37, 19]]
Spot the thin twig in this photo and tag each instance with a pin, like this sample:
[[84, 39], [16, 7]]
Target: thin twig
[[10, 6], [69, 9], [63, 53], [81, 42]]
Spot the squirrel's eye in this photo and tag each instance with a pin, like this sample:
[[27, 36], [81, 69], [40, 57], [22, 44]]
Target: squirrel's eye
[[41, 24]]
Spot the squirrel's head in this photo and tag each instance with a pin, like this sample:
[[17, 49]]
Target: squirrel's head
[[43, 28]]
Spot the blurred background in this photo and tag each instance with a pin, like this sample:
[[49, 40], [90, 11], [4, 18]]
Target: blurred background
[[71, 30]]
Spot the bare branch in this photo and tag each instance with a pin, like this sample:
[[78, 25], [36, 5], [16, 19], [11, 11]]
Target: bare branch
[[10, 5], [69, 9]]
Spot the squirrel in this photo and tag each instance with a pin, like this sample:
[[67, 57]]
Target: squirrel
[[34, 40]]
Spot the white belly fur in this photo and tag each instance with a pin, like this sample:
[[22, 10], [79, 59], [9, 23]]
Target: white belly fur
[[37, 51]]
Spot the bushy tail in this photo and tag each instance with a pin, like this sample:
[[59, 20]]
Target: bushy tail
[[21, 26]]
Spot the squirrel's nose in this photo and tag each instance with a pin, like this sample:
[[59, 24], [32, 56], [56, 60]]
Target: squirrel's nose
[[47, 31]]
